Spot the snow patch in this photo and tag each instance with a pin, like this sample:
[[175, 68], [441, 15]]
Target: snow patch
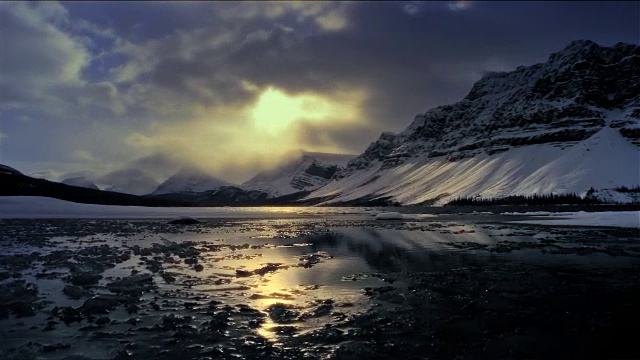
[[627, 219]]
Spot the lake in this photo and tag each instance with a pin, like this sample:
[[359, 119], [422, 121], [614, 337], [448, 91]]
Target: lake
[[314, 283]]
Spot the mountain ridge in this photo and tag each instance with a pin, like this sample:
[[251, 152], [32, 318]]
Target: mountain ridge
[[189, 179], [569, 99], [305, 172]]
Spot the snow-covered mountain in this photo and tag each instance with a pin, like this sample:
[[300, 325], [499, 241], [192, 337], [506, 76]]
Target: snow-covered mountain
[[189, 180], [128, 181], [307, 171], [565, 125], [80, 181]]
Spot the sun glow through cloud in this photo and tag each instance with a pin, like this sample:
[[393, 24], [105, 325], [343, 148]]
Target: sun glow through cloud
[[275, 111], [236, 141]]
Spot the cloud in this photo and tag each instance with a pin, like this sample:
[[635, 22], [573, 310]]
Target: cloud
[[84, 155], [327, 16], [412, 8], [37, 57], [459, 5], [464, 72], [43, 64]]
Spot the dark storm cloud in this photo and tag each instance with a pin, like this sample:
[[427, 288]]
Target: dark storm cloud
[[407, 61]]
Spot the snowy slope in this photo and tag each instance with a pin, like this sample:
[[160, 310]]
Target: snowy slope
[[80, 181], [629, 219], [189, 180], [535, 169], [563, 126], [308, 171]]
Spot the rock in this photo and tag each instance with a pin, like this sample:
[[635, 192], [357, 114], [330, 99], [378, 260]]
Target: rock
[[134, 284], [270, 267], [22, 309], [282, 313], [98, 305], [84, 278], [321, 310], [243, 273], [103, 321], [355, 350], [54, 347], [184, 220], [198, 267], [67, 314], [171, 321], [17, 297], [75, 292]]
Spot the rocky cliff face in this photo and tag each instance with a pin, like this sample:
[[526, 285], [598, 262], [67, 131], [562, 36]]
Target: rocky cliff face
[[577, 93]]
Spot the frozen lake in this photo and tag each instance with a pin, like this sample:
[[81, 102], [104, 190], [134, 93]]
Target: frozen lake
[[274, 283]]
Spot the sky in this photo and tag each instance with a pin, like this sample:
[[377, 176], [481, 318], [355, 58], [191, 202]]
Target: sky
[[233, 87]]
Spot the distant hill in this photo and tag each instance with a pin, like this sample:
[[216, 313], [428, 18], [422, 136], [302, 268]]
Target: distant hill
[[14, 183], [189, 180], [80, 181]]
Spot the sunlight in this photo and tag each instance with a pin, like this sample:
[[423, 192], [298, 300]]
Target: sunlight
[[275, 110]]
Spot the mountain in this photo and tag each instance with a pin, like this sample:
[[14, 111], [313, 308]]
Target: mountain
[[220, 196], [6, 170], [14, 183], [128, 181], [562, 126], [189, 180], [306, 171], [80, 181]]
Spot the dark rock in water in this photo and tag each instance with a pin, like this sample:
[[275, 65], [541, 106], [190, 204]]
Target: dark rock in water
[[84, 278], [22, 309], [98, 305], [17, 297], [103, 321], [184, 220], [75, 292], [198, 267], [327, 335], [284, 330], [67, 314], [191, 260], [321, 310], [282, 313], [54, 347], [356, 350], [270, 267], [134, 285], [243, 273], [171, 321]]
